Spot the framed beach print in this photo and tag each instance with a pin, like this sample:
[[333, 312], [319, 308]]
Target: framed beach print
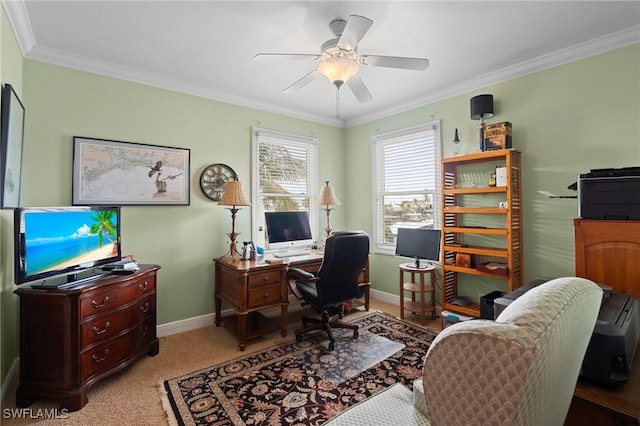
[[125, 173], [11, 137]]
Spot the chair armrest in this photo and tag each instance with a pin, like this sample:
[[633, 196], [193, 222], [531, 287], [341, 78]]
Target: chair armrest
[[299, 275]]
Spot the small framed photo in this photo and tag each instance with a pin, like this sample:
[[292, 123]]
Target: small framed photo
[[125, 173], [12, 134]]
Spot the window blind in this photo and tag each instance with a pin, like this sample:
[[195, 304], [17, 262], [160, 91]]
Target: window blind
[[406, 183], [284, 176]]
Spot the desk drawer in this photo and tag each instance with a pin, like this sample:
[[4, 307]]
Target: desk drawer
[[264, 278], [265, 295]]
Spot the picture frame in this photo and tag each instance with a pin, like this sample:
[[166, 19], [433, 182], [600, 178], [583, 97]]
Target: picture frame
[[11, 143], [113, 172]]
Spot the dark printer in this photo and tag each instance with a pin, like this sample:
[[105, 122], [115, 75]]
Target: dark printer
[[614, 341], [615, 338], [612, 194]]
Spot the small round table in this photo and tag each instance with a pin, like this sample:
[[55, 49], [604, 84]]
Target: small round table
[[418, 287]]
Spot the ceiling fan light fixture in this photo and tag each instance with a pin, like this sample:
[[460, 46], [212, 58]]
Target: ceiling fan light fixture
[[338, 69]]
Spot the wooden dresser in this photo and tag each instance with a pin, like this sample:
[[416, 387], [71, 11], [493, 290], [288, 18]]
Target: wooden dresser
[[72, 338]]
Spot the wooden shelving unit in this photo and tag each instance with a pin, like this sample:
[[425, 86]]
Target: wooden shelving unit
[[500, 242]]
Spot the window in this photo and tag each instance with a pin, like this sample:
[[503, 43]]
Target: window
[[406, 183], [284, 177]]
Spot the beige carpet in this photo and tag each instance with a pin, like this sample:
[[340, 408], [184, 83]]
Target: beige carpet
[[132, 397]]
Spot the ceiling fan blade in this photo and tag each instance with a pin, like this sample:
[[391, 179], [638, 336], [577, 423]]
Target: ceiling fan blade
[[418, 64], [357, 26], [358, 88], [261, 56], [308, 78]]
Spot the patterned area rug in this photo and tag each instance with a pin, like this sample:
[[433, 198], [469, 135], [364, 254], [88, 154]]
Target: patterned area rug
[[302, 383]]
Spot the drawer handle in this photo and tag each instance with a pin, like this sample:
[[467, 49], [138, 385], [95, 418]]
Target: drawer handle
[[97, 331], [144, 331], [145, 308], [143, 286], [265, 279], [100, 304], [265, 296], [104, 356]]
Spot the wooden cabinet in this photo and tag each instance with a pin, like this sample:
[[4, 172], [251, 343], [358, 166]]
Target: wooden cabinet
[[72, 338], [608, 252], [250, 286], [480, 223]]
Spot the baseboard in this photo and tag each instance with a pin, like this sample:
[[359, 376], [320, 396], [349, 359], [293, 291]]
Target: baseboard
[[188, 324], [394, 298], [12, 374]]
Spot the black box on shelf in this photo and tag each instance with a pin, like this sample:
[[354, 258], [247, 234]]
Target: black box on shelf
[[497, 136], [486, 304]]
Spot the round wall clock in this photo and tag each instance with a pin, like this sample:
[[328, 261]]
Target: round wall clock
[[214, 178]]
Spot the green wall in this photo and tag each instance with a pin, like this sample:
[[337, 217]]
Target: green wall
[[182, 239], [10, 72], [566, 120]]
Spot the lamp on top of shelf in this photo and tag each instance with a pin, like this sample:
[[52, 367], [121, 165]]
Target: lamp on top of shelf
[[233, 196], [327, 199], [481, 108]]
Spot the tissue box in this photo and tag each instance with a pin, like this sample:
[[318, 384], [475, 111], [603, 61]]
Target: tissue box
[[501, 176]]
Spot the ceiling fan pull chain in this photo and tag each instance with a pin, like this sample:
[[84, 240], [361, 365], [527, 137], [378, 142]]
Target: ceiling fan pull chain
[[337, 101]]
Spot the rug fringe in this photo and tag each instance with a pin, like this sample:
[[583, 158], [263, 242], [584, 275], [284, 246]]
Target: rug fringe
[[166, 405]]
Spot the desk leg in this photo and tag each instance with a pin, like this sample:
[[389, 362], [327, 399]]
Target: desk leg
[[283, 319], [367, 300], [242, 331], [218, 303]]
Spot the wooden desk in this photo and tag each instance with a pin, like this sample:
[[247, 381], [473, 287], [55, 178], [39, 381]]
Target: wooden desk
[[250, 286], [599, 405]]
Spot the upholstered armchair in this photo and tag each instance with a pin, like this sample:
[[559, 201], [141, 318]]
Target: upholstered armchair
[[520, 369]]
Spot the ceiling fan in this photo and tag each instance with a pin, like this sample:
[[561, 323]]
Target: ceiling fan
[[340, 62]]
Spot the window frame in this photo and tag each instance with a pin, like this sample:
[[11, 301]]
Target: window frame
[[378, 183], [286, 139]]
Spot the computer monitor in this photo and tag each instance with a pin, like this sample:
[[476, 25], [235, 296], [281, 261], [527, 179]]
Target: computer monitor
[[288, 230], [418, 243]]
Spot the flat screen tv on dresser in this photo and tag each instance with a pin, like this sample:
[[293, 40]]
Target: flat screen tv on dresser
[[59, 245], [79, 324]]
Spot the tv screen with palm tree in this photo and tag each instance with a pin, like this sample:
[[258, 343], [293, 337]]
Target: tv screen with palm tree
[[64, 241]]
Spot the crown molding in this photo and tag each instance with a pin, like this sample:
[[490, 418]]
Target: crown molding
[[583, 50], [19, 20], [109, 69]]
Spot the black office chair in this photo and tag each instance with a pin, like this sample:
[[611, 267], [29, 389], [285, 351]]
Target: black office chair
[[336, 282]]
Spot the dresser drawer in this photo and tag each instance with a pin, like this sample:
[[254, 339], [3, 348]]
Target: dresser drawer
[[113, 323], [264, 278], [265, 295], [99, 302], [108, 354]]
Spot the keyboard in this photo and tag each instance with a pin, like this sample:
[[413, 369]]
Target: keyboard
[[290, 254]]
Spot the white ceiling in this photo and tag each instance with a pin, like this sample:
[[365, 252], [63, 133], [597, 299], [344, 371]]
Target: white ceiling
[[206, 48]]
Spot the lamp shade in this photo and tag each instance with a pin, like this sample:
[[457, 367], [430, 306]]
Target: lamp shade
[[327, 196], [338, 69], [233, 195], [481, 107]]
